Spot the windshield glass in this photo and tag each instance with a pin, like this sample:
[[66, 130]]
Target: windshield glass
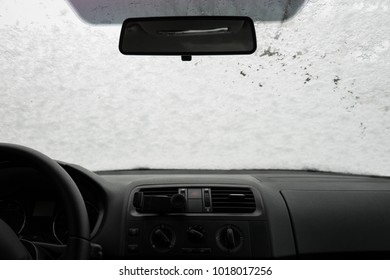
[[315, 94]]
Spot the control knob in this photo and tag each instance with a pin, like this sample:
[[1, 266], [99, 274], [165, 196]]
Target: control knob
[[196, 232], [229, 238], [162, 238]]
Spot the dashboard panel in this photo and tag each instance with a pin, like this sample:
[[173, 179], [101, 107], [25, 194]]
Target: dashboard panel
[[217, 221], [195, 214]]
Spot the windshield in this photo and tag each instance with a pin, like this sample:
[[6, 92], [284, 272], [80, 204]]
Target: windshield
[[315, 94]]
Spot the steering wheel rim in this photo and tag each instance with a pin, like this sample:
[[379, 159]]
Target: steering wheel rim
[[78, 246]]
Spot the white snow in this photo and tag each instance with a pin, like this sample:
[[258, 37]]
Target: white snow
[[316, 94]]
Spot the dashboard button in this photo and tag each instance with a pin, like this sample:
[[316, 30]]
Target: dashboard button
[[195, 193], [201, 251], [186, 250], [133, 231], [133, 248], [205, 251]]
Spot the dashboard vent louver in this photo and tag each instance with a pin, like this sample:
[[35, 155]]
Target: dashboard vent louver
[[232, 200]]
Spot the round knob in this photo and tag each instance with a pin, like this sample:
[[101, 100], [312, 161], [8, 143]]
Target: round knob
[[196, 232], [162, 238], [229, 238], [178, 201]]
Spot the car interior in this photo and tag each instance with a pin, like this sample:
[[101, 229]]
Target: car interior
[[53, 209]]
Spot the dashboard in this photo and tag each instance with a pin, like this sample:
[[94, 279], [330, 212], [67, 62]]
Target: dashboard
[[195, 214]]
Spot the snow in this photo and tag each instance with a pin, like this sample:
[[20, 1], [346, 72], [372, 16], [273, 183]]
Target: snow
[[315, 95]]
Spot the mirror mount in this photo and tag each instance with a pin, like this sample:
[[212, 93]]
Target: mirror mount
[[186, 58]]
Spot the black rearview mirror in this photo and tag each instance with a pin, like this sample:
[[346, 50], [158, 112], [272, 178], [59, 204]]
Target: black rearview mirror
[[187, 36]]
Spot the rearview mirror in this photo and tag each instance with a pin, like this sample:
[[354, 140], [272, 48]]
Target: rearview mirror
[[187, 36]]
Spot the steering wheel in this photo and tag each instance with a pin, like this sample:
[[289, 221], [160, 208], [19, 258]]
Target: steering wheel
[[78, 246]]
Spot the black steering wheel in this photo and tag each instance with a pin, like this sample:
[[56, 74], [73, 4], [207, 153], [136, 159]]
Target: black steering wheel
[[78, 246]]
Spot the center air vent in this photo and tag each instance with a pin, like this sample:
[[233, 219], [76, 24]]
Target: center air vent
[[232, 200], [194, 199]]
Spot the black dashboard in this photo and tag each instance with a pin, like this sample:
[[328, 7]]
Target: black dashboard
[[188, 214]]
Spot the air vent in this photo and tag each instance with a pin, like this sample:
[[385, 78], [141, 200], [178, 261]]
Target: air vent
[[232, 200]]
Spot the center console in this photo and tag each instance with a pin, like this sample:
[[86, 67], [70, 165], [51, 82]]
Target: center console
[[202, 221]]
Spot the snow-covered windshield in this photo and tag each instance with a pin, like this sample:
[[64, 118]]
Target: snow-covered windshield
[[315, 95]]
